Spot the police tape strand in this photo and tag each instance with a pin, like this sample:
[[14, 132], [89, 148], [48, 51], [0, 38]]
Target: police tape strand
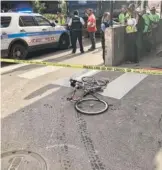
[[91, 67]]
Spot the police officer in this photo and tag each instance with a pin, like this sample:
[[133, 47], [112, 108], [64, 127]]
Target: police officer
[[76, 24]]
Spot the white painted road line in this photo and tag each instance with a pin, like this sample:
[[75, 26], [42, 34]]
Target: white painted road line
[[65, 81], [39, 72], [12, 67], [88, 74], [122, 85], [42, 58]]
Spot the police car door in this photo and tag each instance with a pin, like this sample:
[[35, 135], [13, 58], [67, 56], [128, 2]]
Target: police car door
[[29, 30], [45, 26], [56, 31]]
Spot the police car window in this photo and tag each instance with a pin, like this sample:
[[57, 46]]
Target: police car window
[[42, 21], [5, 22], [26, 21]]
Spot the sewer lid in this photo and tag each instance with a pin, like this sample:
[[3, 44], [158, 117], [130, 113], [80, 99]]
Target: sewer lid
[[22, 160]]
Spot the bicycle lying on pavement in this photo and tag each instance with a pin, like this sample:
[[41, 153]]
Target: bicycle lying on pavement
[[89, 86]]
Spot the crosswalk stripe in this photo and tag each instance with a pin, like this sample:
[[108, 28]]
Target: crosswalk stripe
[[116, 89], [39, 72], [65, 81], [122, 85], [89, 73], [16, 66], [44, 58], [12, 67]]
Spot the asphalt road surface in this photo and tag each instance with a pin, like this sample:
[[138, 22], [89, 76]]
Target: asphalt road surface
[[41, 129]]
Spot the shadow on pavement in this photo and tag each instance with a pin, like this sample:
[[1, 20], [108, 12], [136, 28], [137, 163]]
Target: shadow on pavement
[[40, 91]]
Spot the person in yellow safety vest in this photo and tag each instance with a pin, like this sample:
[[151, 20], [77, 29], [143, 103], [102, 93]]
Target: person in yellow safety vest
[[122, 15], [60, 19], [130, 36], [131, 22]]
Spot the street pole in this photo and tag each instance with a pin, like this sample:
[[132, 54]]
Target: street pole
[[111, 13]]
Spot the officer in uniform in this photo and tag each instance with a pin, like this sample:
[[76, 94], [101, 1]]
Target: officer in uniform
[[76, 24]]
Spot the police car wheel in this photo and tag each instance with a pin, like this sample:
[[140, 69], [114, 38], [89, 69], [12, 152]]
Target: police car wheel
[[18, 51], [64, 42]]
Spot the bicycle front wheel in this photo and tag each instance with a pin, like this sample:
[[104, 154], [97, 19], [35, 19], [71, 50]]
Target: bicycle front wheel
[[91, 106]]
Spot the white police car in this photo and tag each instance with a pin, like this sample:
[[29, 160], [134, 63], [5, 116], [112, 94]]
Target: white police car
[[25, 32]]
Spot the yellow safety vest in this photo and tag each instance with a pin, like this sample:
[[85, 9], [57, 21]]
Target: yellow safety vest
[[61, 21], [130, 29]]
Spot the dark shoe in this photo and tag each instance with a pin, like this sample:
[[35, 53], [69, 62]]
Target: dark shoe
[[73, 52], [91, 49], [82, 52]]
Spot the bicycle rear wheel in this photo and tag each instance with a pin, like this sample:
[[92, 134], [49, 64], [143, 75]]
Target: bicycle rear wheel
[[91, 106]]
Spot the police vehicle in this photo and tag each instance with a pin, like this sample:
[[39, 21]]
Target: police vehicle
[[22, 33]]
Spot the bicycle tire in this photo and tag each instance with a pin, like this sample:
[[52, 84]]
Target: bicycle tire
[[106, 106], [88, 79], [102, 82], [92, 81]]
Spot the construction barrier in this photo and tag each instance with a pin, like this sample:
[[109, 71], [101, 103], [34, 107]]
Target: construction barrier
[[91, 67]]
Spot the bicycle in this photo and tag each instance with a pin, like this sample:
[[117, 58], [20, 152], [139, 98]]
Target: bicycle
[[89, 86]]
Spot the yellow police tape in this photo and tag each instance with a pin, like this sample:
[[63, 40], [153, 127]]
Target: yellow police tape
[[91, 67]]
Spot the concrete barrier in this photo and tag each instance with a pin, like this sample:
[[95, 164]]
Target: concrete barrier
[[159, 33], [114, 45]]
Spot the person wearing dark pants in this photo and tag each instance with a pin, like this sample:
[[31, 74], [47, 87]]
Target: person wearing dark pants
[[76, 24], [105, 23], [139, 36], [91, 27], [77, 35], [68, 28], [130, 47], [154, 17]]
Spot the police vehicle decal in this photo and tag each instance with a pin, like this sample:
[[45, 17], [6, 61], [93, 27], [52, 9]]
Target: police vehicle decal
[[28, 34]]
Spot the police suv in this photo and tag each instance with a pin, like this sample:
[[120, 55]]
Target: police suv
[[25, 32]]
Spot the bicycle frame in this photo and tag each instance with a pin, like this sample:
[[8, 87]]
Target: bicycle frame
[[86, 92], [82, 86]]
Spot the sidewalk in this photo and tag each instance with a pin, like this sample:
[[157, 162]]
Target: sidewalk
[[151, 61]]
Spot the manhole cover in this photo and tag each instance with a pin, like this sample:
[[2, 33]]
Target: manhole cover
[[22, 160]]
